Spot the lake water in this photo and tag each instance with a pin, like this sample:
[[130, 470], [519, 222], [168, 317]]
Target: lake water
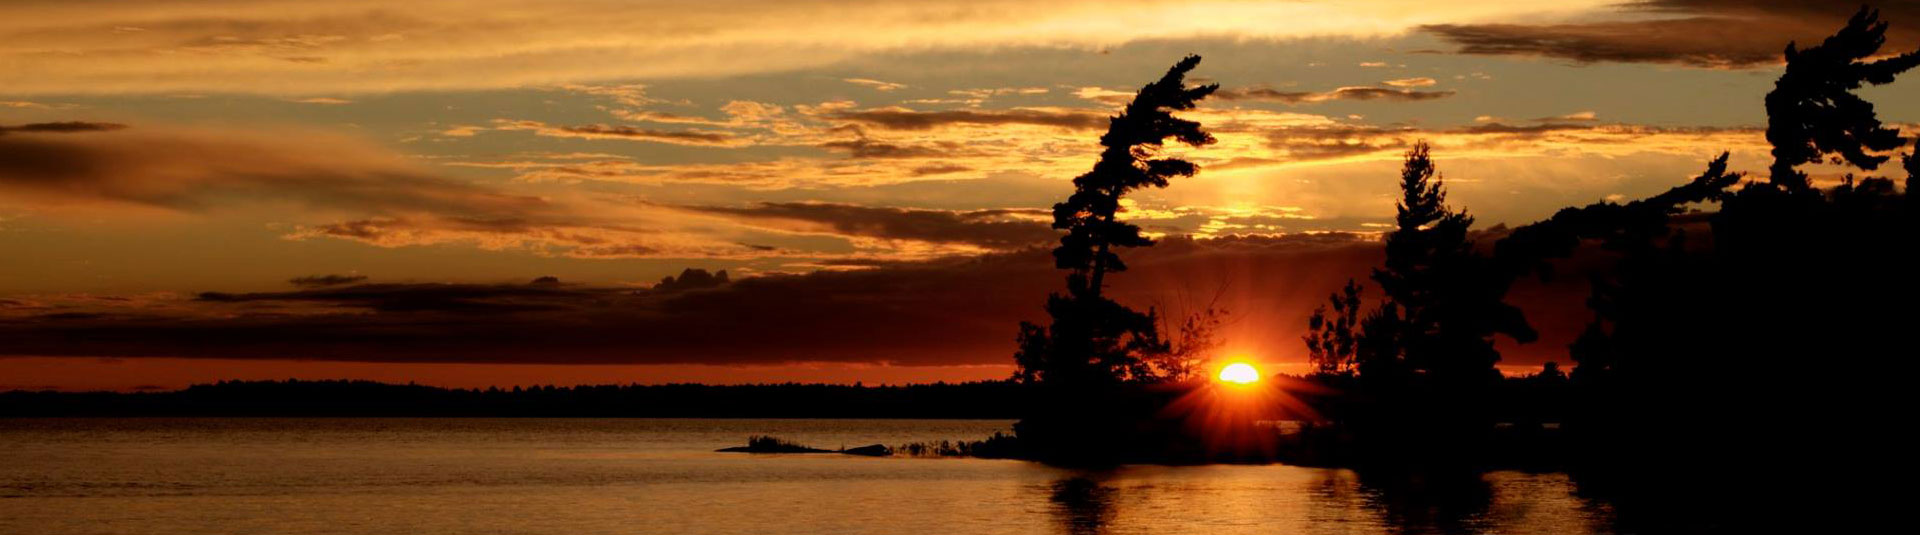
[[639, 476]]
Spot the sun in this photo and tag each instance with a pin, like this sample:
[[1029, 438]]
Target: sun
[[1239, 373]]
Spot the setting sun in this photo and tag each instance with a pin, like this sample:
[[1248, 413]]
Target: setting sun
[[1239, 373]]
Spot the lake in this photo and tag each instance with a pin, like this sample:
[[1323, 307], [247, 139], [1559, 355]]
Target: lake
[[630, 476]]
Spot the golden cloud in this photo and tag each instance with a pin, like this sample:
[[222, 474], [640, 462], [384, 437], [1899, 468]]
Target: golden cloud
[[289, 47]]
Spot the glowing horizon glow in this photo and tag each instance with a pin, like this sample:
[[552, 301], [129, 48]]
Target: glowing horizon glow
[[1239, 373]]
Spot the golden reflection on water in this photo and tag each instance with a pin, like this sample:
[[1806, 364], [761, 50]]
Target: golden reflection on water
[[1277, 499], [327, 476], [1228, 416]]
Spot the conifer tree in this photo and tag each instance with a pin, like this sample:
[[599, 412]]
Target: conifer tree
[[1093, 339], [1132, 140], [1443, 299], [1812, 110]]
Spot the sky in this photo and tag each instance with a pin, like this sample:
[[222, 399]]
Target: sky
[[482, 192]]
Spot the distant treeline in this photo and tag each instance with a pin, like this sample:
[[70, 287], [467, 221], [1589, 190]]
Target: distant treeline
[[985, 399], [1534, 398]]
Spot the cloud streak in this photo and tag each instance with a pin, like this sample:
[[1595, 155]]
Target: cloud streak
[[347, 47], [63, 127], [629, 133], [1723, 34], [1363, 93], [907, 119], [322, 281], [326, 186], [188, 170], [876, 85], [985, 229]]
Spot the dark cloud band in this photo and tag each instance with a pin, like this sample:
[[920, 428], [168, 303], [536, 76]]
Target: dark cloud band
[[991, 229], [1700, 33]]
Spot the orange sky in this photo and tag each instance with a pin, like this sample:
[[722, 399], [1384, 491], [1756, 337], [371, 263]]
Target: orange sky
[[131, 375], [370, 181], [66, 373], [169, 373]]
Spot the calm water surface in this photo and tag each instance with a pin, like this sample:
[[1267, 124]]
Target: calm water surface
[[635, 476]]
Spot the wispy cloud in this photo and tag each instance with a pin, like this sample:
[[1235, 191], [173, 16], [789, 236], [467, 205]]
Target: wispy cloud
[[1575, 116], [1697, 33], [348, 47], [322, 281], [907, 119], [631, 133], [876, 85], [31, 105], [1344, 93], [190, 170], [62, 127], [326, 186], [999, 229]]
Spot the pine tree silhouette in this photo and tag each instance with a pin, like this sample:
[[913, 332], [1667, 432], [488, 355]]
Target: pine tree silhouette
[[1443, 300], [1812, 110], [1092, 338], [1127, 164]]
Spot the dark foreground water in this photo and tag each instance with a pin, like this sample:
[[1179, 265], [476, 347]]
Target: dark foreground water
[[641, 476]]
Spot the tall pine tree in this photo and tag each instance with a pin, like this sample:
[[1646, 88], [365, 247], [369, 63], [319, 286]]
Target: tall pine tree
[[1443, 299], [1093, 339]]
